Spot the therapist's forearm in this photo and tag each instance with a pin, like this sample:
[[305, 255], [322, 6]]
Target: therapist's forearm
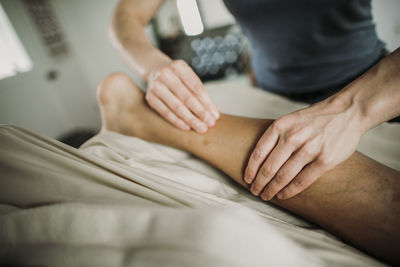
[[376, 94], [173, 89], [129, 38]]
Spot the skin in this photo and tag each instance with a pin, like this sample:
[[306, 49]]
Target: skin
[[299, 147], [173, 89], [359, 200]]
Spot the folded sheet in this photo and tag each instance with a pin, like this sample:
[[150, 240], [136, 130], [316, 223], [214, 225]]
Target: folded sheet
[[64, 207]]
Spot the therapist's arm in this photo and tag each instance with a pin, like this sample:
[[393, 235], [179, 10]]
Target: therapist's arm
[[173, 89], [299, 147]]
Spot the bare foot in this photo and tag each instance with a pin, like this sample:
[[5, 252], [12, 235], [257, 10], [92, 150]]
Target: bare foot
[[122, 105], [124, 110]]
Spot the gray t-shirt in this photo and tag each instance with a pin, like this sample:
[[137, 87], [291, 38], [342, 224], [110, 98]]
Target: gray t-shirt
[[308, 45]]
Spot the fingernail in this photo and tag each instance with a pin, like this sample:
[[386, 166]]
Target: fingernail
[[201, 127], [215, 114], [247, 180], [185, 127], [209, 120], [254, 192]]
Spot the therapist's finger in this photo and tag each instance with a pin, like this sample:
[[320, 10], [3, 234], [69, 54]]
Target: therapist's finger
[[287, 172], [185, 96], [177, 107], [264, 146], [303, 180], [275, 160], [165, 112], [193, 82]]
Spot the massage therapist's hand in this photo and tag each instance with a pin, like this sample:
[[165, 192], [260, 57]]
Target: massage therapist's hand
[[177, 94], [298, 148]]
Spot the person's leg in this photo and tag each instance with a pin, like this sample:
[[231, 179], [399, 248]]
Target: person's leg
[[359, 200]]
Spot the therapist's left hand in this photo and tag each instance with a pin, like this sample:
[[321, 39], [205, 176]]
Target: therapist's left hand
[[299, 147]]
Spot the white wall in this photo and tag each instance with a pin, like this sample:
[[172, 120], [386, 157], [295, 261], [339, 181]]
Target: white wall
[[31, 101], [53, 108], [85, 24], [387, 17]]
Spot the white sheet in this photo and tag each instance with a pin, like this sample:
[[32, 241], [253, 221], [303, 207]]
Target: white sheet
[[63, 207], [121, 201]]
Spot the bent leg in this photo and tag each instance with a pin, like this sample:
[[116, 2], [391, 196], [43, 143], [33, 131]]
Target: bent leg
[[359, 200]]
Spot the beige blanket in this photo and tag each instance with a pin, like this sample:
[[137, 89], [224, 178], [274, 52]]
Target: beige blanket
[[121, 201]]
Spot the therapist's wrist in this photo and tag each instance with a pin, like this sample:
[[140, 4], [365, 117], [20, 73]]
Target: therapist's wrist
[[348, 104], [375, 94], [158, 60]]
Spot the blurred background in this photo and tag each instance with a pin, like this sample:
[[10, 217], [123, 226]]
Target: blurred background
[[54, 53]]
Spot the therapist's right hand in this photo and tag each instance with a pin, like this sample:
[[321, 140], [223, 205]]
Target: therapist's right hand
[[178, 95]]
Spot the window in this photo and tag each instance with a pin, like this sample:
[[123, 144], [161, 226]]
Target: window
[[14, 58]]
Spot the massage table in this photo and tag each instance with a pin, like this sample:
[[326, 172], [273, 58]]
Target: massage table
[[122, 201]]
